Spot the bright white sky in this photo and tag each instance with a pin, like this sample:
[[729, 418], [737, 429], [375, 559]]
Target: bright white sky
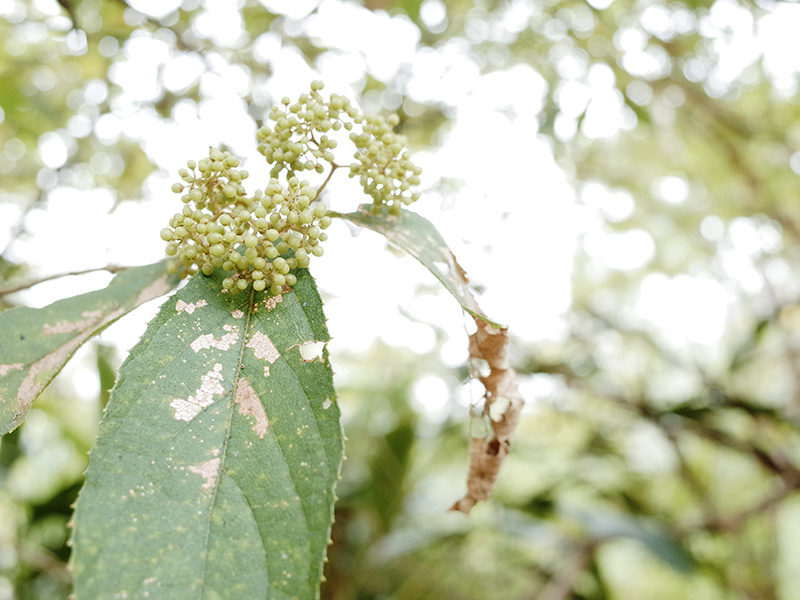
[[515, 223]]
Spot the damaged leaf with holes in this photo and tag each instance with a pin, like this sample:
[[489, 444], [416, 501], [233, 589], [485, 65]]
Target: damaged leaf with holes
[[218, 454]]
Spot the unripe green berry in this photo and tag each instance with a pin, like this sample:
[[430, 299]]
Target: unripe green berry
[[166, 234], [291, 280], [207, 269], [278, 279], [251, 241], [177, 188], [228, 283], [172, 249], [217, 250], [241, 284], [259, 285], [225, 219]]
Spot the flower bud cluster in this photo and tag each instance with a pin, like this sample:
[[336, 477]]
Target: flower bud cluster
[[384, 169], [259, 239], [298, 138]]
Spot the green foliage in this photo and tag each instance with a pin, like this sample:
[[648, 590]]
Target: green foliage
[[642, 458], [215, 466], [36, 343]]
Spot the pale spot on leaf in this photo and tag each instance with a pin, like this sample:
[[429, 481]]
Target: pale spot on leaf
[[90, 318], [181, 306], [237, 314], [263, 347], [327, 403], [273, 301], [186, 410], [266, 371], [158, 288], [250, 404], [208, 470], [224, 343], [31, 386], [5, 369]]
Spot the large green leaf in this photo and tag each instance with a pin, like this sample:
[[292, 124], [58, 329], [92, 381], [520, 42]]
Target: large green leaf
[[418, 236], [214, 471], [35, 343]]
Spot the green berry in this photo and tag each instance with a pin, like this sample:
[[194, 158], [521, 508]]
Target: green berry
[[259, 285], [217, 250], [166, 235]]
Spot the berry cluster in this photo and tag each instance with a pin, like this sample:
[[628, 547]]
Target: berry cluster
[[383, 169], [298, 140], [261, 239]]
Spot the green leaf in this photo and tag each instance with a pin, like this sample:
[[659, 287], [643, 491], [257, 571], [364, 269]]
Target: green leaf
[[214, 471], [418, 236], [36, 343], [607, 525]]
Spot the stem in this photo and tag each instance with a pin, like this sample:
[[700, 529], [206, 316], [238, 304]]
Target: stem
[[334, 166], [29, 284]]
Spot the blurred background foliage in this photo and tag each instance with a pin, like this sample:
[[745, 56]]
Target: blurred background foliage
[[646, 467]]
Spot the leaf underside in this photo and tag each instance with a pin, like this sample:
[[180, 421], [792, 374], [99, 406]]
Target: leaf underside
[[419, 238], [214, 471], [35, 343], [488, 344]]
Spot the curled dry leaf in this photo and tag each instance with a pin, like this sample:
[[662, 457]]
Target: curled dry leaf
[[503, 402], [502, 406]]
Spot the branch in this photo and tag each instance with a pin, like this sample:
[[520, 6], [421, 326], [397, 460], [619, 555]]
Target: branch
[[29, 284]]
